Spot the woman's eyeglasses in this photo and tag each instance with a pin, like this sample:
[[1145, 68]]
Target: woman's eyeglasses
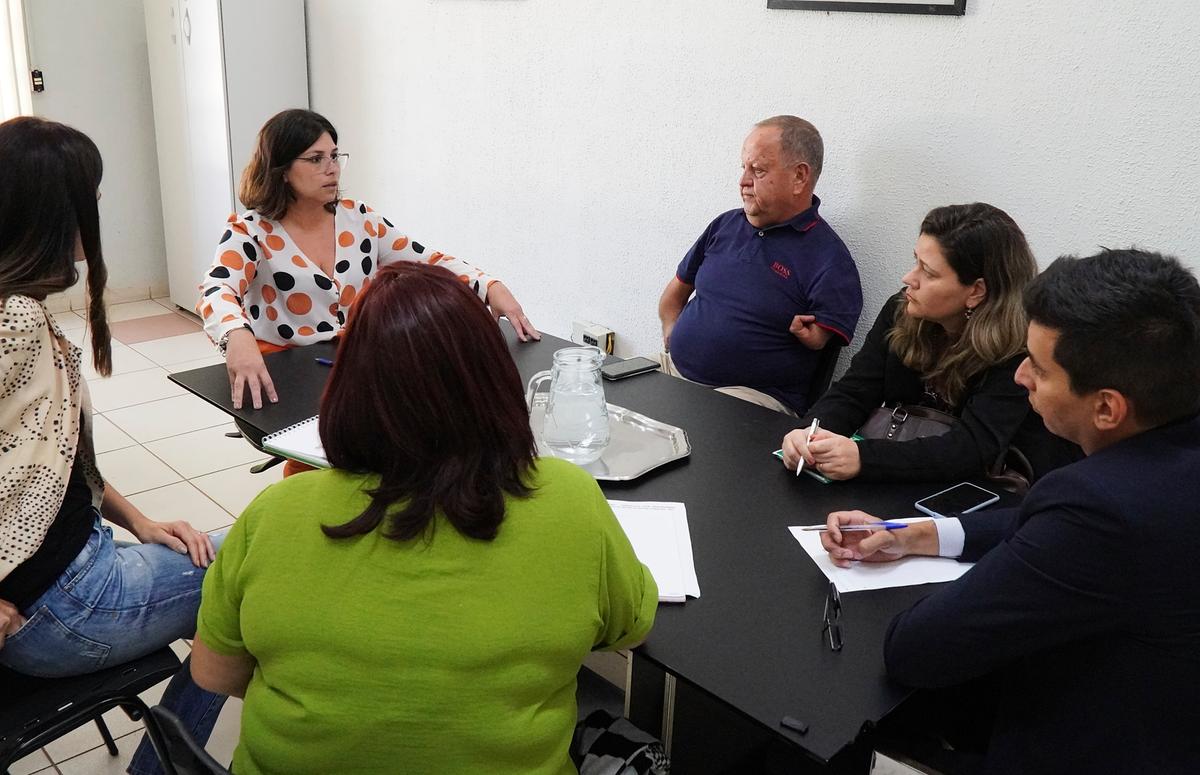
[[323, 162]]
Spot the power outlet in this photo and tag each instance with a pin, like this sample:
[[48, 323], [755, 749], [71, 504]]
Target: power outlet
[[593, 334]]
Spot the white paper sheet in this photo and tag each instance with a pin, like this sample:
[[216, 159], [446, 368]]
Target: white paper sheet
[[861, 576], [659, 533]]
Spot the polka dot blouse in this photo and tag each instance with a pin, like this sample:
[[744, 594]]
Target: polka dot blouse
[[262, 281]]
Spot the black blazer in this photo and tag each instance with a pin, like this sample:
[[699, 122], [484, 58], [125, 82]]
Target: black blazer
[[1087, 599], [994, 415]]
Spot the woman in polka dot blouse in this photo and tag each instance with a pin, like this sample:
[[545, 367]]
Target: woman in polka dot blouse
[[287, 271]]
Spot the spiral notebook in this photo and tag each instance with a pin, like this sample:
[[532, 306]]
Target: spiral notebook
[[300, 442]]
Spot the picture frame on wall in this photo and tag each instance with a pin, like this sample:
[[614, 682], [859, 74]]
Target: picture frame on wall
[[937, 7]]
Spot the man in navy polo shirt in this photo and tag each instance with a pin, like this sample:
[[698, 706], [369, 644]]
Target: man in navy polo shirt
[[765, 287]]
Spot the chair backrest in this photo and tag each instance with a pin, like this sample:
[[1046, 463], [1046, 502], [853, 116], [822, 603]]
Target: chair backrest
[[182, 753]]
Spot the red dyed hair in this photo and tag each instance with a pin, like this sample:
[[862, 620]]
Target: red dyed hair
[[425, 393]]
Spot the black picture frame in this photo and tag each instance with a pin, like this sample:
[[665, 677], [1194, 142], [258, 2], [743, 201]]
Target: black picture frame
[[952, 8]]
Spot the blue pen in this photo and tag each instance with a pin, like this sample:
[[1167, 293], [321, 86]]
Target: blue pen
[[871, 526], [324, 361]]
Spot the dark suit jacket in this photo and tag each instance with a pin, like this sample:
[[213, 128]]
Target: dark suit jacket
[[1087, 599]]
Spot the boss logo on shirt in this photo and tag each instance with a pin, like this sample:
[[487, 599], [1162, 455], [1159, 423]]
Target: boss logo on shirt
[[781, 270]]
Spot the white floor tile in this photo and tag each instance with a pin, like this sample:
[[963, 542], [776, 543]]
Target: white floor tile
[[68, 321], [225, 734], [182, 501], [34, 762], [136, 387], [106, 437], [133, 309], [98, 762], [124, 361], [166, 303], [134, 470], [168, 417], [177, 349], [204, 451], [234, 488], [75, 742], [79, 336]]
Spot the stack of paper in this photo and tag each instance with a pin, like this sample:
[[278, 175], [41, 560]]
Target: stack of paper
[[861, 576], [660, 538], [301, 441]]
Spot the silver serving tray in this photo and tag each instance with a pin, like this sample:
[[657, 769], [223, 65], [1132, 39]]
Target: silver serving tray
[[637, 443]]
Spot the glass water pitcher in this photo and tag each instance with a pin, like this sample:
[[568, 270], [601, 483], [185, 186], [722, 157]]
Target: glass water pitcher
[[576, 424]]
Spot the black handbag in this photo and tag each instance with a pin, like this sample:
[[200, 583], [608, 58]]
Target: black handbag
[[1011, 471], [905, 423]]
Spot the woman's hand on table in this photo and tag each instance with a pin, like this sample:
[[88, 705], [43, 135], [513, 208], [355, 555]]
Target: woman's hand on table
[[503, 304], [795, 448], [833, 455], [247, 369]]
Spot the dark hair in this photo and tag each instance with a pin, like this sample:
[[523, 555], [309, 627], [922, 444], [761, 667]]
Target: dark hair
[[425, 393], [979, 241], [49, 176], [1127, 320], [282, 139]]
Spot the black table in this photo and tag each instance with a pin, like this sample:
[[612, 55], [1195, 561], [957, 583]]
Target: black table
[[751, 647]]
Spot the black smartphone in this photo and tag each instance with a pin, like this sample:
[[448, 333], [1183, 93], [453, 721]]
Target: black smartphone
[[959, 499], [628, 368]]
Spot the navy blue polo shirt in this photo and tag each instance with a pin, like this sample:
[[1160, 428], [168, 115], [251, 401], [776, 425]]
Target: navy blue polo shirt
[[750, 283]]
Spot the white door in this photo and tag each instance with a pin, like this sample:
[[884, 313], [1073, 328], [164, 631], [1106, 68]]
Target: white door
[[208, 141], [97, 76]]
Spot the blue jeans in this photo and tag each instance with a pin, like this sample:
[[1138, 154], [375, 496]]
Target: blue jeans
[[113, 603]]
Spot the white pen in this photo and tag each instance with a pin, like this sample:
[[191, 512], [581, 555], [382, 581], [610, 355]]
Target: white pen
[[816, 424]]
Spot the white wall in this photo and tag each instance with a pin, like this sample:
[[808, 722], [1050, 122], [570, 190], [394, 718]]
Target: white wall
[[97, 75], [578, 147]]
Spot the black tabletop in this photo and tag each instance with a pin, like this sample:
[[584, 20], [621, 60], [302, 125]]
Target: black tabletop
[[753, 639]]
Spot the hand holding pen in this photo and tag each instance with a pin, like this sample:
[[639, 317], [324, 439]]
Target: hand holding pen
[[812, 429], [855, 536]]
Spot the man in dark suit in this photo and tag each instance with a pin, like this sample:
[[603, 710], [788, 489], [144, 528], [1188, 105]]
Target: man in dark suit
[[1084, 602]]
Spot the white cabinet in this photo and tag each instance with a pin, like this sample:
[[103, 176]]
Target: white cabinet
[[218, 70]]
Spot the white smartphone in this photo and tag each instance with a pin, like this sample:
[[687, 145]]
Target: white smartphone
[[959, 499]]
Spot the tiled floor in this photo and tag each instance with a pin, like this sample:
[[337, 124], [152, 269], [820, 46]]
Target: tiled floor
[[167, 452]]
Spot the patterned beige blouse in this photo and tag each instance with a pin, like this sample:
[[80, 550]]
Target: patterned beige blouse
[[45, 418]]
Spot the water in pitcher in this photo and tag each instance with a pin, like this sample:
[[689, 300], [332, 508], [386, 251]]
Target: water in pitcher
[[576, 428]]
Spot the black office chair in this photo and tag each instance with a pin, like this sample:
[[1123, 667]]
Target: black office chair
[[180, 751], [37, 711], [242, 433]]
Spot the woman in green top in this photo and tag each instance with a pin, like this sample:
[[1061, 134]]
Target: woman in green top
[[425, 605]]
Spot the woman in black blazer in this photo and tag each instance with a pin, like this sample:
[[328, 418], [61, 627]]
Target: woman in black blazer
[[950, 340]]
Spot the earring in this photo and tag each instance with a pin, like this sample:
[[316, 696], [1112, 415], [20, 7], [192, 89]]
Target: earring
[[970, 311]]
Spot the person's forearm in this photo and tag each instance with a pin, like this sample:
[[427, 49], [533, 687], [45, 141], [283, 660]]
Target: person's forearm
[[119, 511], [219, 673], [670, 305]]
